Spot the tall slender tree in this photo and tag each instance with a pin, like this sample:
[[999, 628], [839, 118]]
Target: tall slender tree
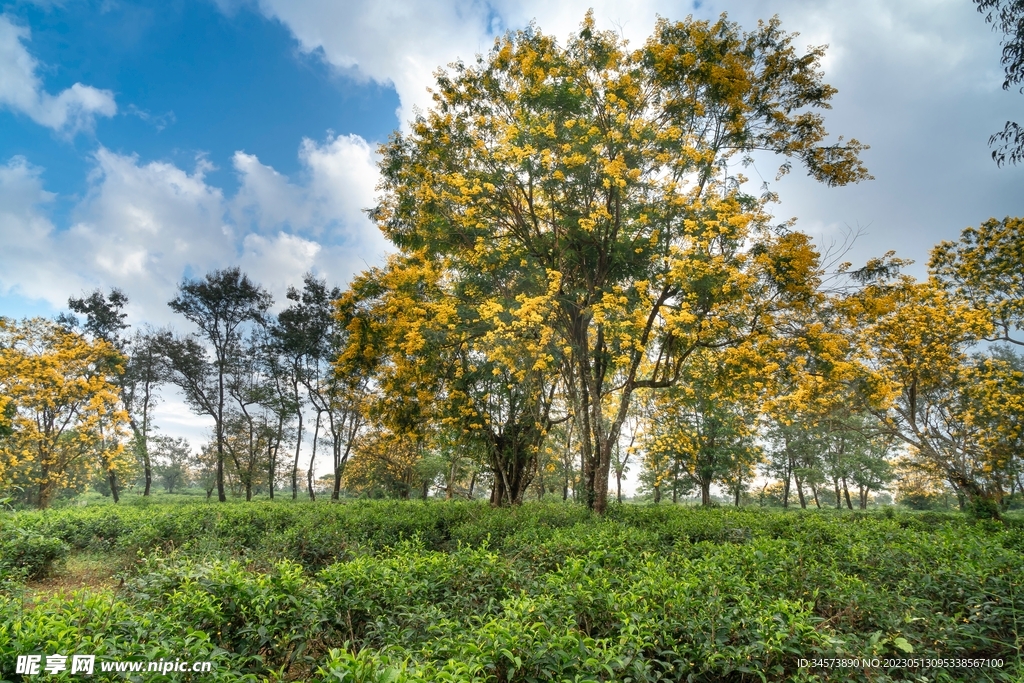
[[220, 305]]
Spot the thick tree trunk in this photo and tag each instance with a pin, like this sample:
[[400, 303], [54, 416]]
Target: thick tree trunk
[[846, 494], [705, 493]]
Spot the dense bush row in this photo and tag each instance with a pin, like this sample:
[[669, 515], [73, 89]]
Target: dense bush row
[[413, 591]]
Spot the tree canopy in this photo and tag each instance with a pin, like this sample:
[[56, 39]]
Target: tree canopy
[[601, 168]]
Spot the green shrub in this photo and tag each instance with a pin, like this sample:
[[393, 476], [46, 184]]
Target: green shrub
[[30, 554]]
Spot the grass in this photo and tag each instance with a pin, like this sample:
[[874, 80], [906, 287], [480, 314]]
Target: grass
[[82, 570]]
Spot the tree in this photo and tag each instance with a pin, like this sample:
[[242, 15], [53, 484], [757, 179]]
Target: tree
[[138, 378], [706, 424], [913, 341], [171, 457], [299, 335], [385, 463], [219, 305], [60, 402], [1007, 16], [984, 267], [603, 168], [311, 337], [443, 357]]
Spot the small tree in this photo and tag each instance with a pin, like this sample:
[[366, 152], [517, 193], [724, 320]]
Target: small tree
[[219, 305], [60, 406], [171, 457]]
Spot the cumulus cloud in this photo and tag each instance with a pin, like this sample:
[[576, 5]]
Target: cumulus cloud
[[26, 265], [143, 225], [389, 41], [328, 200], [21, 90]]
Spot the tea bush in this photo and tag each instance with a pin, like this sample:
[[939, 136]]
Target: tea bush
[[30, 554], [393, 591]]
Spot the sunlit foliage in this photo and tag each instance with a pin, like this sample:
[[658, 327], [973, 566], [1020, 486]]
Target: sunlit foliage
[[59, 403]]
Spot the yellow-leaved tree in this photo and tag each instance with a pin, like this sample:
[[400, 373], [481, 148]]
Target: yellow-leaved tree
[[464, 355], [913, 340], [61, 405], [985, 268], [604, 169], [705, 427]]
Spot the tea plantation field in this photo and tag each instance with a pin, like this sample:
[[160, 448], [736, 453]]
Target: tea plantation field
[[411, 591]]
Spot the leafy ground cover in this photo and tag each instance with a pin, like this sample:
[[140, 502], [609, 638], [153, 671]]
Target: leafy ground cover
[[409, 591]]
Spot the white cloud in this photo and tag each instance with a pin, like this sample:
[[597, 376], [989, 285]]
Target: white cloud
[[389, 41], [326, 203], [70, 111], [279, 261], [143, 226], [27, 267], [342, 178]]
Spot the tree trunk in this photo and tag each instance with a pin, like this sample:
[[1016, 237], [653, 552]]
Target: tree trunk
[[143, 448], [846, 494], [800, 492], [657, 493], [112, 480], [472, 485], [44, 488], [705, 493], [298, 447], [312, 458], [618, 486], [814, 491], [785, 489], [839, 498]]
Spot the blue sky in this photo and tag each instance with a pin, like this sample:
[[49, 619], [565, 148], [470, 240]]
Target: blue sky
[[188, 79], [144, 141]]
